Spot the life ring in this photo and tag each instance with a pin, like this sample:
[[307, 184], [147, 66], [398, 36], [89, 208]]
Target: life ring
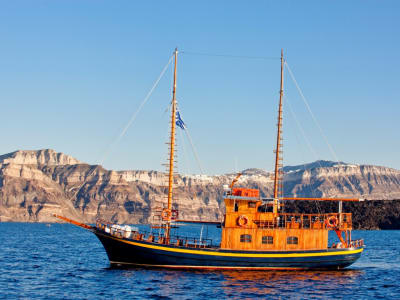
[[331, 222], [166, 214], [242, 220]]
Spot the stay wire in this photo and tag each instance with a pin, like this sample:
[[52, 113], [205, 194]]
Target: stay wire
[[185, 156], [133, 117], [229, 56], [310, 111], [194, 150], [310, 147], [315, 121], [192, 146]]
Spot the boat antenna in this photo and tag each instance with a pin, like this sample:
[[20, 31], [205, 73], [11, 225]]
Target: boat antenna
[[278, 178], [171, 151]]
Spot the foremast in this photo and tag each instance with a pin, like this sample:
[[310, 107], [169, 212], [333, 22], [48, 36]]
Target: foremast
[[171, 152], [278, 174]]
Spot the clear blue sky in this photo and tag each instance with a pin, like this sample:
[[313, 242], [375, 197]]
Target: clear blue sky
[[73, 72]]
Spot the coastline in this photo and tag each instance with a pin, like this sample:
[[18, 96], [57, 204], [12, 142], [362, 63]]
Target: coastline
[[367, 215]]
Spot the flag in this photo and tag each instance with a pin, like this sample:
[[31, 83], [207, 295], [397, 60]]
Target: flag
[[179, 122]]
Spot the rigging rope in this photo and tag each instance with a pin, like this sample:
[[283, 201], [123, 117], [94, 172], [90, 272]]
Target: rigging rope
[[310, 147], [310, 111], [315, 121], [229, 56], [133, 117], [185, 156], [301, 130], [194, 150], [191, 144]]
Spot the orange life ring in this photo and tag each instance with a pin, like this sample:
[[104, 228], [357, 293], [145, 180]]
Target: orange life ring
[[331, 222], [242, 220], [166, 214]]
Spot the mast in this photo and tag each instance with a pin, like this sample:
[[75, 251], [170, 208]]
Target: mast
[[278, 159], [171, 151]]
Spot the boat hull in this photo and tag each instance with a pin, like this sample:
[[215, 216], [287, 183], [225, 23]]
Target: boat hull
[[125, 252]]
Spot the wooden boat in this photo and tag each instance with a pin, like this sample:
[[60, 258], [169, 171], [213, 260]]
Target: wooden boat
[[256, 234]]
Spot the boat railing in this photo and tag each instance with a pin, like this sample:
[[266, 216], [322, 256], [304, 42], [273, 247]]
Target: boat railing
[[343, 221], [350, 244], [133, 233], [357, 243]]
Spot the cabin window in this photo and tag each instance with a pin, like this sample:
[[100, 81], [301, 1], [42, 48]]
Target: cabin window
[[265, 208], [267, 240], [292, 240], [236, 206], [245, 238], [251, 204]]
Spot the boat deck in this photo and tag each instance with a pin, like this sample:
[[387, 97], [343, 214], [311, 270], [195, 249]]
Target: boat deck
[[127, 232], [133, 234]]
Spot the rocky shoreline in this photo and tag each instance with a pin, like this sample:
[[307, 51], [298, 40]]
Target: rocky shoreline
[[368, 215]]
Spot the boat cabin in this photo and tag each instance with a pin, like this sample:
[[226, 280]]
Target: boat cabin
[[250, 225]]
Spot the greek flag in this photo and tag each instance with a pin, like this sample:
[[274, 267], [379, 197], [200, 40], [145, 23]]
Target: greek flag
[[179, 122]]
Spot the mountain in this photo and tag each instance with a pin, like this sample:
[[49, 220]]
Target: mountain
[[313, 165], [36, 184], [41, 157]]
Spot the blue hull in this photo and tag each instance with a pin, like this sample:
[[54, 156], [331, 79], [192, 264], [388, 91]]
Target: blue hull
[[126, 252]]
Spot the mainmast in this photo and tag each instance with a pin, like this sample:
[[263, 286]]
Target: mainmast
[[278, 178], [171, 152]]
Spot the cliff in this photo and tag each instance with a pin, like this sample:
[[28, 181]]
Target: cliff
[[36, 184]]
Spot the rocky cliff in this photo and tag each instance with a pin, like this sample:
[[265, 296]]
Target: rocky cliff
[[36, 184]]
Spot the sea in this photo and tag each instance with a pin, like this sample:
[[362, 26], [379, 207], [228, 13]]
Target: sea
[[62, 261]]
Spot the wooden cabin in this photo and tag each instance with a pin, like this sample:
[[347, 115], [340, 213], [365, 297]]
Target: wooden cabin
[[249, 225]]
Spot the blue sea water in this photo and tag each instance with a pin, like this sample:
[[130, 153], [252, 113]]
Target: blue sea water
[[62, 261]]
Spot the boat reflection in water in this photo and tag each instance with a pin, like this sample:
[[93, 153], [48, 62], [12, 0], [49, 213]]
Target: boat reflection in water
[[274, 283]]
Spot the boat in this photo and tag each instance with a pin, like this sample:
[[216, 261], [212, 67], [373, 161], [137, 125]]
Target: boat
[[255, 233]]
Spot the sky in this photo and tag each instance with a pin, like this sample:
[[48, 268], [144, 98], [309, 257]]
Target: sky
[[72, 74]]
